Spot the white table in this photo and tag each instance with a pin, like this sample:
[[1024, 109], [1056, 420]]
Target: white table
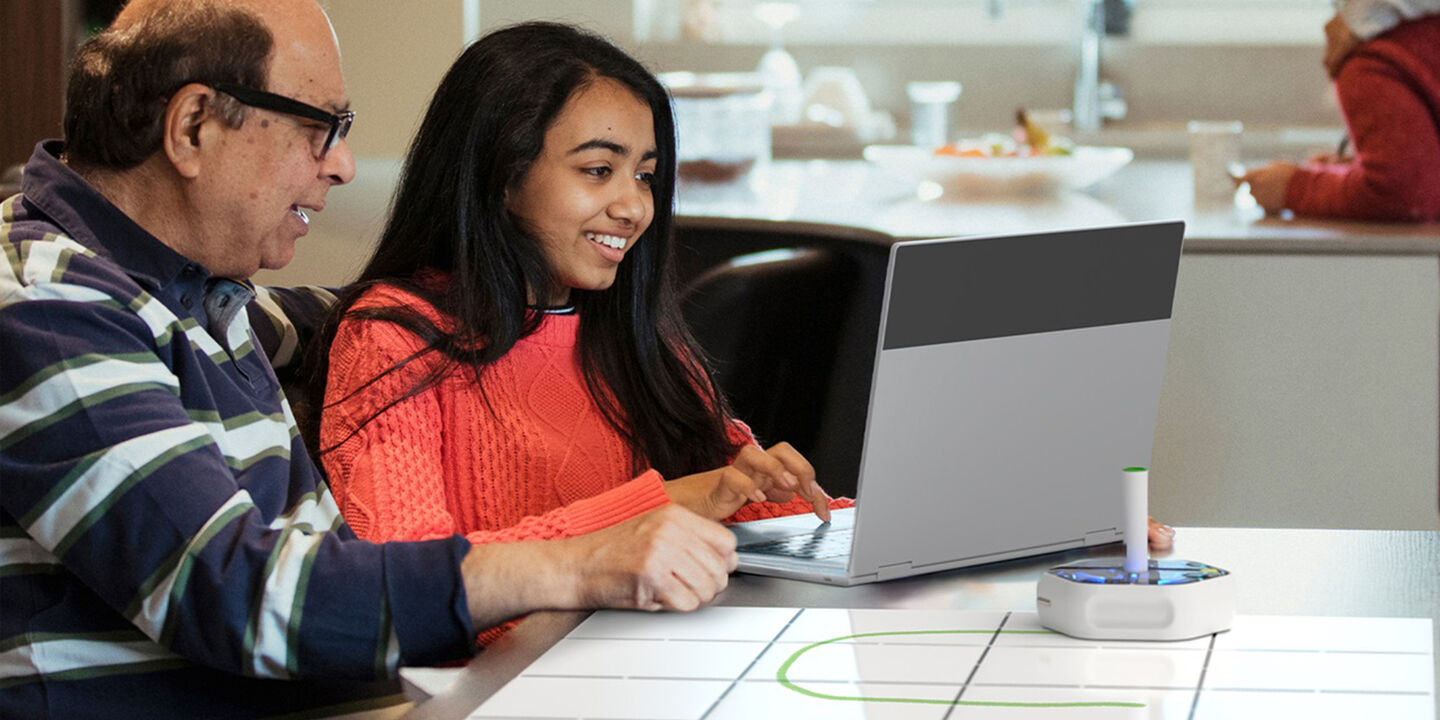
[[1362, 573]]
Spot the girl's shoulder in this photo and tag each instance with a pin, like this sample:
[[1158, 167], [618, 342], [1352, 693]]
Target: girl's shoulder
[[393, 295]]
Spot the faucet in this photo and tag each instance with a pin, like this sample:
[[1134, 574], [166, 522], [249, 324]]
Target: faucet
[[1094, 100]]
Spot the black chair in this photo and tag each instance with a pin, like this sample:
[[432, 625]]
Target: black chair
[[770, 323], [705, 243], [285, 321]]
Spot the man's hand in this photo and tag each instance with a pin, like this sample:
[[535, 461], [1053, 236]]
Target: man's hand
[[666, 559], [1268, 184], [756, 475], [1340, 41]]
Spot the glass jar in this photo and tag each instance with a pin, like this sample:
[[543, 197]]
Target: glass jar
[[722, 123]]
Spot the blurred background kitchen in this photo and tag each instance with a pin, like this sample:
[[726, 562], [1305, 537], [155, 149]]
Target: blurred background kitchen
[[1160, 63], [1126, 73], [1302, 383]]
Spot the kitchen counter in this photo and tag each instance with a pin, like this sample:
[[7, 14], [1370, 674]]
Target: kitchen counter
[[857, 194]]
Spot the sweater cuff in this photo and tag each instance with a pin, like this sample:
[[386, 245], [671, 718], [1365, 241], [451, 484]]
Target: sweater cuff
[[768, 510], [641, 495]]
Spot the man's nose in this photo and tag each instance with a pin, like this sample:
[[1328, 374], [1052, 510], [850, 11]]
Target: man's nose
[[338, 166]]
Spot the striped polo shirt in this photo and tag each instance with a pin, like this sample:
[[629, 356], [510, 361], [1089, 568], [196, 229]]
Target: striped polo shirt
[[167, 547]]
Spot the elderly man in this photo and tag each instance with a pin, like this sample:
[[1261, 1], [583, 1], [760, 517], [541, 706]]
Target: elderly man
[[167, 547]]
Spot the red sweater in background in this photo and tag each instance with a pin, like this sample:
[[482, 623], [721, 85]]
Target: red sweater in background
[[544, 464], [1389, 91]]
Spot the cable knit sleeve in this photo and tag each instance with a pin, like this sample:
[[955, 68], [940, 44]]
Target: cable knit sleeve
[[640, 495]]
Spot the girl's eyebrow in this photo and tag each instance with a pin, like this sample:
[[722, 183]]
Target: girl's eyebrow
[[611, 146], [600, 144]]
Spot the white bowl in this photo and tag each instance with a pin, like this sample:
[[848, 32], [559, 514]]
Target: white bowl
[[1001, 175]]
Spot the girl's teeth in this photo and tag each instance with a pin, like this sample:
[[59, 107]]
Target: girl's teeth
[[300, 213], [607, 240]]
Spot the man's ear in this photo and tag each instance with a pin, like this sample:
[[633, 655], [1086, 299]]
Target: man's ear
[[190, 127]]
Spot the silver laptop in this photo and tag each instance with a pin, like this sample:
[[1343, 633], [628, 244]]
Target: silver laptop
[[1015, 377]]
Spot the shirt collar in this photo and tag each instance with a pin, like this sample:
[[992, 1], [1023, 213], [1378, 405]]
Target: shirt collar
[[80, 210]]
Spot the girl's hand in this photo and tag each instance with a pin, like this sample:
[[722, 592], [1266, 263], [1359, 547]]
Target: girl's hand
[[756, 475], [1162, 536], [790, 474]]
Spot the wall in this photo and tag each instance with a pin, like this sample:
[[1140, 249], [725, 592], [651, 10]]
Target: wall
[[41, 31], [1163, 85], [393, 55]]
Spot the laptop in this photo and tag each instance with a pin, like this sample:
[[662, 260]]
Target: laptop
[[1015, 377]]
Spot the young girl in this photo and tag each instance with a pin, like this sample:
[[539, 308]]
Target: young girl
[[511, 363]]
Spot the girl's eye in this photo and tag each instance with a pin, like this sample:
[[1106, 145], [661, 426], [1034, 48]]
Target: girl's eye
[[599, 172], [645, 177]]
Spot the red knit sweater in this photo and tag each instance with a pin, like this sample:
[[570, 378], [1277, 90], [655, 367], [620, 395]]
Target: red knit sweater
[[1390, 94], [543, 464]]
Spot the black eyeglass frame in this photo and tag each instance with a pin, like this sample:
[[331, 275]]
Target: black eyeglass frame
[[339, 122]]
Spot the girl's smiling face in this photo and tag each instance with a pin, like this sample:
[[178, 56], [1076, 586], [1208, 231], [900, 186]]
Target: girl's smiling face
[[587, 197]]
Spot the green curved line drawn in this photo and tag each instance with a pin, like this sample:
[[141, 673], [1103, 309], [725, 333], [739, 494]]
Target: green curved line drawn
[[782, 675]]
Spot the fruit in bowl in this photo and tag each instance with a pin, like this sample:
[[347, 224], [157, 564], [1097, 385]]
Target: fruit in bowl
[[1028, 161], [963, 176], [995, 145], [1028, 139]]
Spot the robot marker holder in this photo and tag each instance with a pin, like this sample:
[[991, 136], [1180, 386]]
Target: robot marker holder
[[1136, 598]]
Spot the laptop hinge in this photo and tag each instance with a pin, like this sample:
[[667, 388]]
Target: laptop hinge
[[890, 572], [1100, 537]]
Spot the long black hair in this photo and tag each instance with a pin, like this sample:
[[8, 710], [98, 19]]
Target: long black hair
[[482, 132]]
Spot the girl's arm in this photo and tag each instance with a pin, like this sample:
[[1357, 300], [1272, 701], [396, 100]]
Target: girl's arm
[[388, 476]]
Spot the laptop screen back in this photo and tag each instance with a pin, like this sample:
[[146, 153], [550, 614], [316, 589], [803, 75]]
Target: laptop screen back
[[1016, 377]]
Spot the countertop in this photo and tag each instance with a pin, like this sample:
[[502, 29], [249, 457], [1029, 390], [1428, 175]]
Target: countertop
[[852, 197], [857, 195]]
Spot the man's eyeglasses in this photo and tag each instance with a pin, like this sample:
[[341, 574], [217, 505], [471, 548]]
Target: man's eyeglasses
[[339, 122]]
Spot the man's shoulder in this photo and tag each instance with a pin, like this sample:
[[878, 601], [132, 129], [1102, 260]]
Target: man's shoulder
[[41, 261], [50, 279]]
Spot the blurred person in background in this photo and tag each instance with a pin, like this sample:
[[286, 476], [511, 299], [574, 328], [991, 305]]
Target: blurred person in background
[[1384, 56]]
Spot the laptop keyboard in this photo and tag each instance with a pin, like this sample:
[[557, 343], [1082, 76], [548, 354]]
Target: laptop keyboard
[[810, 546]]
